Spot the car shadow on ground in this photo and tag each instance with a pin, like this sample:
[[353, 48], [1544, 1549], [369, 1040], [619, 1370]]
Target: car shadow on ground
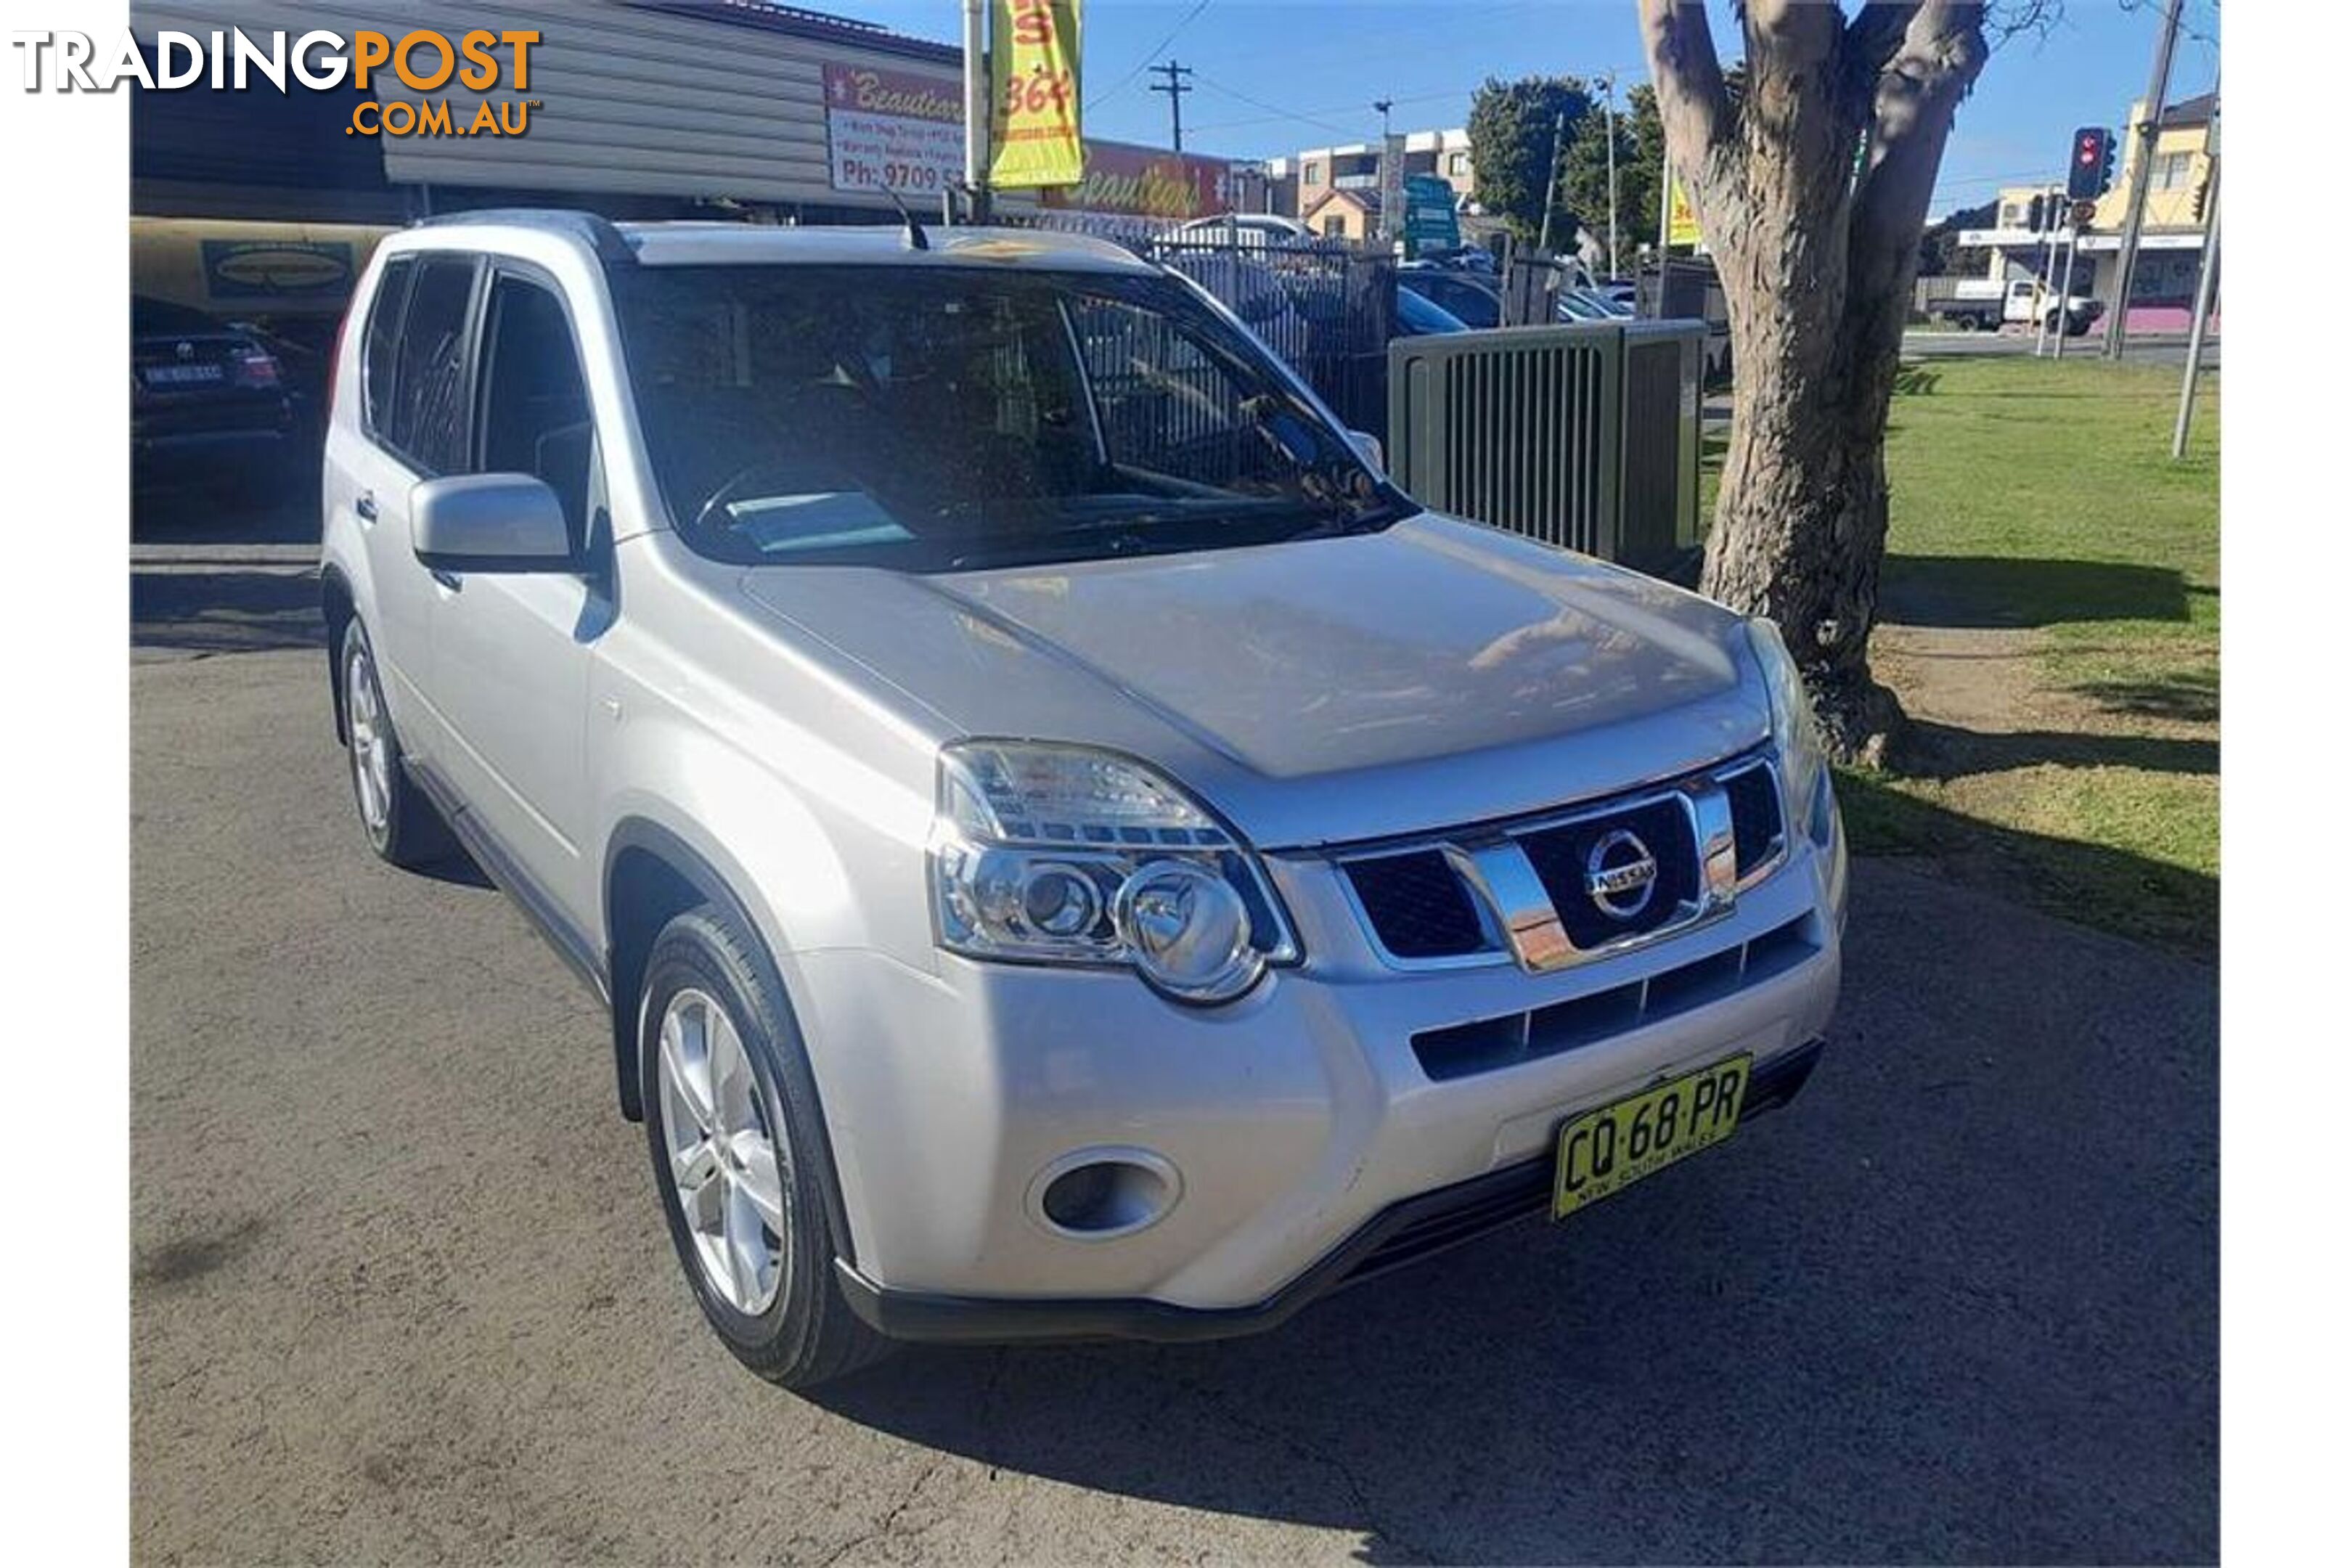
[[1958, 1301]]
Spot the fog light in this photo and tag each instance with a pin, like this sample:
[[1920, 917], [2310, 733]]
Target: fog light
[[1105, 1194]]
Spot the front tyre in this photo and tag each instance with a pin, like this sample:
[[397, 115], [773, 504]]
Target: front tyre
[[401, 824], [740, 1156]]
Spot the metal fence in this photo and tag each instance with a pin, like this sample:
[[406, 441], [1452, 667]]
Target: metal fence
[[1585, 436], [1327, 309]]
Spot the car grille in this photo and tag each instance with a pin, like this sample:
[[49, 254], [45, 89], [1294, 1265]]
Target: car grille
[[1418, 905], [1424, 905], [1559, 855], [1489, 1044]]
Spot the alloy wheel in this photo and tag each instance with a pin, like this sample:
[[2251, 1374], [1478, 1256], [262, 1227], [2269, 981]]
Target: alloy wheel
[[371, 747], [717, 1131]]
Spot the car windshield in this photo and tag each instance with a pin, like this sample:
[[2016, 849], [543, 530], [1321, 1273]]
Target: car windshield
[[939, 417]]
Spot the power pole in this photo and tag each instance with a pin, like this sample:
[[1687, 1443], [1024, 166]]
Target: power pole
[[2143, 174], [2206, 267], [1175, 86], [1551, 181], [975, 111], [1666, 230], [1390, 179], [2066, 284], [1609, 102]]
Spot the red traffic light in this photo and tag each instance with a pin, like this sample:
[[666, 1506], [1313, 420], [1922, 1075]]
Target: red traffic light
[[2090, 167]]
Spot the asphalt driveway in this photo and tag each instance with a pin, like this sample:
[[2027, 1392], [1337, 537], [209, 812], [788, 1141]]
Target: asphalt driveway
[[401, 1289]]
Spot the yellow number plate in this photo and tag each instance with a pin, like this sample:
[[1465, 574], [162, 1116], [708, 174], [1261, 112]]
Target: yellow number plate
[[1605, 1151]]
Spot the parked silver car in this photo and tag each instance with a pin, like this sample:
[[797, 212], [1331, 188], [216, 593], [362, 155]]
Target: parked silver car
[[1068, 847]]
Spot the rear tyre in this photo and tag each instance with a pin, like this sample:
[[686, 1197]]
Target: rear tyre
[[741, 1158], [1963, 323], [401, 824]]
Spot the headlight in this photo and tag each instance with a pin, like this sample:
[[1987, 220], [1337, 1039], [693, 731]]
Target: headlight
[[1806, 802], [1064, 855]]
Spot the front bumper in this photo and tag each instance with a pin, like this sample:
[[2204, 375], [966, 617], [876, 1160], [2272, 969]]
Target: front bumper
[[1308, 1142], [1403, 1233]]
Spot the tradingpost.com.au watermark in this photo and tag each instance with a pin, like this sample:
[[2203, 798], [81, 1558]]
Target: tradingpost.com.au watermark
[[482, 60]]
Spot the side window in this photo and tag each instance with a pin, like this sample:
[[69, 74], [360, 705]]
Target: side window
[[535, 397], [382, 347], [428, 422]]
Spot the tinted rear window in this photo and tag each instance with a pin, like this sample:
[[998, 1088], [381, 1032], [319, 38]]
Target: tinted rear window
[[381, 356], [428, 422]]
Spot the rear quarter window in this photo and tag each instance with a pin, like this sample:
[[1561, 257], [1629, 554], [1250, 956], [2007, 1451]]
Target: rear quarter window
[[380, 354], [427, 421]]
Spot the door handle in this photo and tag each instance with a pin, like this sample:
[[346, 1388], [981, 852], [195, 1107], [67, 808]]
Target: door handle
[[365, 506], [450, 580]]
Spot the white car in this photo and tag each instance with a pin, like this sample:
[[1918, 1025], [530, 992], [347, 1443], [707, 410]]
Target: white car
[[1068, 849], [1249, 230]]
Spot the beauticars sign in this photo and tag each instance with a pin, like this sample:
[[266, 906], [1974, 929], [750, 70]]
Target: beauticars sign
[[1143, 181], [892, 131], [903, 131]]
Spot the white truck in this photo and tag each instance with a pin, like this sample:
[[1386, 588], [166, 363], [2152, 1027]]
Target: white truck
[[1971, 304]]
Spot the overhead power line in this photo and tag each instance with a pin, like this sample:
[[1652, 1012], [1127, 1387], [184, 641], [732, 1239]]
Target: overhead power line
[[1274, 109], [1145, 64]]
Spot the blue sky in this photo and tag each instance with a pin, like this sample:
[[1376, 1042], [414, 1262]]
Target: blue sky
[[1274, 77]]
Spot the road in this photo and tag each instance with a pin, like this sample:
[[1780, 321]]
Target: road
[[401, 1288], [2154, 349]]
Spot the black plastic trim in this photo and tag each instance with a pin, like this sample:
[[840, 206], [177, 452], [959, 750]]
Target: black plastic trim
[[1402, 1234], [571, 944]]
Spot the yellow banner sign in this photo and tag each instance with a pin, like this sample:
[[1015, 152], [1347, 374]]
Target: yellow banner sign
[[1033, 67], [1682, 221]]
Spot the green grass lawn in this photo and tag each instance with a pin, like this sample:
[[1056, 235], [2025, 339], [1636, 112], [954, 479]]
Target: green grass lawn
[[2052, 611], [2052, 619]]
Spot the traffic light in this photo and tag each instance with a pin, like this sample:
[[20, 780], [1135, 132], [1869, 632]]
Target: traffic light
[[2092, 166], [2204, 188], [2034, 223]]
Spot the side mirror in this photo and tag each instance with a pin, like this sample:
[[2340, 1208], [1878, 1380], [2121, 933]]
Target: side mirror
[[488, 523], [1367, 446]]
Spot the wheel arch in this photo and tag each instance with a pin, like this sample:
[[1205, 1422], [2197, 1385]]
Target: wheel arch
[[652, 875], [339, 607]]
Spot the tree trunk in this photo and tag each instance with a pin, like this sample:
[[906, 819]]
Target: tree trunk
[[1812, 192]]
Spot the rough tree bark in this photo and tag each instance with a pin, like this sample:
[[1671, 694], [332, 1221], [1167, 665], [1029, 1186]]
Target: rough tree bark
[[1812, 192]]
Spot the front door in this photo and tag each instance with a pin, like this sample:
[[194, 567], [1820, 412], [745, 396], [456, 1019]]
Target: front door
[[511, 650]]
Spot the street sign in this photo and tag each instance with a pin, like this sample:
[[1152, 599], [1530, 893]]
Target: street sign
[[1430, 222]]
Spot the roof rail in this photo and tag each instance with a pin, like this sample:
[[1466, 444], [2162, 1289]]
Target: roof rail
[[607, 241]]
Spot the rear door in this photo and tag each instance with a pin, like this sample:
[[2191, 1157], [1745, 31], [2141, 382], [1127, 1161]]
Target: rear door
[[511, 650], [413, 425]]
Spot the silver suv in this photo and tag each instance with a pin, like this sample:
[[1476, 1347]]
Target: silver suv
[[1068, 847]]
